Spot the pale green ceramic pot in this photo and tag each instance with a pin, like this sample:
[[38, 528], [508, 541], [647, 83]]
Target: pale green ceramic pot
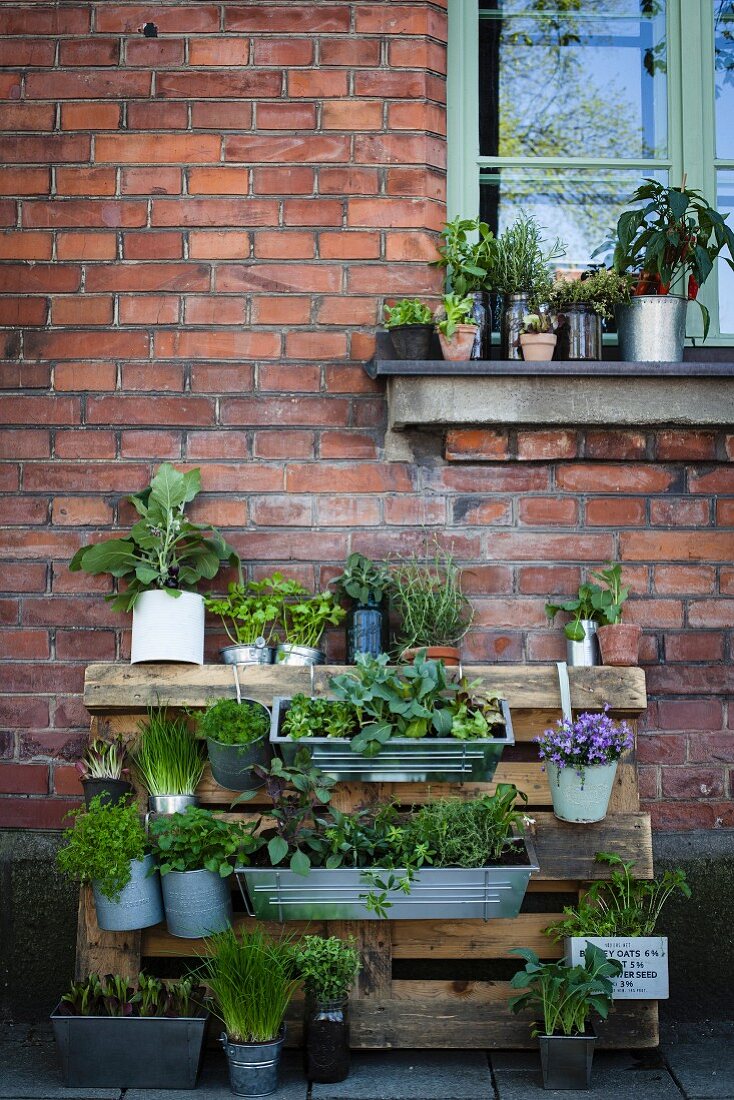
[[580, 800]]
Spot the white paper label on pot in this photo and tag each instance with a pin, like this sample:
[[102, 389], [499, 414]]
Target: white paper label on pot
[[645, 962]]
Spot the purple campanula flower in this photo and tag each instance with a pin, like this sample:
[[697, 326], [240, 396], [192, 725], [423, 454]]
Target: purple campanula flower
[[592, 739]]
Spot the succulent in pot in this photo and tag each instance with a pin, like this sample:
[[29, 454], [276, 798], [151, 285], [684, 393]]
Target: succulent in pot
[[523, 275], [162, 561], [537, 338], [563, 999], [251, 615], [103, 770], [433, 610], [456, 331], [252, 979], [328, 968], [168, 760], [237, 740], [467, 254], [107, 848], [365, 584], [410, 324], [580, 305]]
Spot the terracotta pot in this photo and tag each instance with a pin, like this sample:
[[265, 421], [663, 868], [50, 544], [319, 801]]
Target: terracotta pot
[[619, 643], [537, 347], [449, 654], [458, 346]]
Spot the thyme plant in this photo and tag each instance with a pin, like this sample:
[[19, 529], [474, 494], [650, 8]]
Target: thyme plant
[[428, 597]]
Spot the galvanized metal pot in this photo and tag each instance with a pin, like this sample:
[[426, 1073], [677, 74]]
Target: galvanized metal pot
[[110, 791], [580, 799], [652, 328], [566, 1060], [140, 904], [514, 309], [197, 903], [579, 334], [253, 1067], [232, 764], [248, 654], [584, 654], [287, 654]]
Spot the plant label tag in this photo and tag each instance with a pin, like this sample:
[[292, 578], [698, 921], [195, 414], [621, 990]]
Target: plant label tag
[[645, 962]]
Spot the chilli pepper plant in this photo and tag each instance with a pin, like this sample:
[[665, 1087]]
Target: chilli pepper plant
[[590, 740]]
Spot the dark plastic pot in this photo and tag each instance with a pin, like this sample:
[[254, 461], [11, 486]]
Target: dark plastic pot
[[566, 1060], [111, 791], [253, 1067], [232, 764], [412, 341], [129, 1052], [326, 1057], [365, 632]]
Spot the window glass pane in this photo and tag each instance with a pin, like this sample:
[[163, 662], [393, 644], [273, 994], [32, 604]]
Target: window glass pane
[[725, 205], [569, 78], [724, 63]]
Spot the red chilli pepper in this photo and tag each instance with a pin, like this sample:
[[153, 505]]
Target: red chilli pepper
[[693, 288]]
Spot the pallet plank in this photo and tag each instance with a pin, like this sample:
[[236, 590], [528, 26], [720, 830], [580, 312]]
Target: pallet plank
[[567, 851]]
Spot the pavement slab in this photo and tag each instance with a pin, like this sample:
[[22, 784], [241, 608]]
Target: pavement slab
[[704, 1069], [30, 1071], [616, 1076], [413, 1075], [214, 1082]]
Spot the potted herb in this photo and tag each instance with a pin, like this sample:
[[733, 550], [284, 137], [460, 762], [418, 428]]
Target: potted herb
[[365, 583], [467, 255], [196, 852], [523, 276], [410, 324], [305, 617], [434, 612], [582, 647], [102, 769], [328, 968], [620, 915], [670, 234], [537, 338], [107, 848], [251, 615], [619, 643], [563, 998], [581, 761], [252, 982], [456, 331], [237, 739], [579, 306], [162, 561], [113, 1033], [168, 760]]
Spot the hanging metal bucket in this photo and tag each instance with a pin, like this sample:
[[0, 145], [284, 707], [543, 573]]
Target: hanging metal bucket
[[253, 1067], [299, 655], [586, 653], [652, 328], [232, 764], [197, 903], [140, 904]]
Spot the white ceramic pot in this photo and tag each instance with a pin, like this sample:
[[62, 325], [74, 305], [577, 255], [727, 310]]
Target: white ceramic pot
[[168, 628]]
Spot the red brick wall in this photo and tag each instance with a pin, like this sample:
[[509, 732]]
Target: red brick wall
[[197, 235]]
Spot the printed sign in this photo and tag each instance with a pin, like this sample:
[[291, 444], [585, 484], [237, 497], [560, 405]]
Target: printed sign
[[645, 962]]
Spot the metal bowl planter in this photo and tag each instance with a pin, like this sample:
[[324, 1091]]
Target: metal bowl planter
[[566, 1060], [287, 654], [129, 1052], [248, 654], [403, 759], [644, 958], [436, 893], [139, 904], [253, 1067], [197, 903]]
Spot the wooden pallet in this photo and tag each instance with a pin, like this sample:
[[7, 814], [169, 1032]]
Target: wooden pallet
[[419, 985]]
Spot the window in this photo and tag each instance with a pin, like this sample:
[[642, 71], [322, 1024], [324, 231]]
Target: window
[[560, 107]]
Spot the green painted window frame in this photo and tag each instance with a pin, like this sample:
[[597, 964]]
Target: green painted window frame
[[691, 124]]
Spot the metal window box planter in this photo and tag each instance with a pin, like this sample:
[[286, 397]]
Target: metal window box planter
[[644, 958], [436, 893], [130, 1052], [403, 759]]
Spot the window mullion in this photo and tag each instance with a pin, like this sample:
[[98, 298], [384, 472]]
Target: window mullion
[[463, 109]]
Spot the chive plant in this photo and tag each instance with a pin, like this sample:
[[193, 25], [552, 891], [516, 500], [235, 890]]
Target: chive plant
[[167, 756]]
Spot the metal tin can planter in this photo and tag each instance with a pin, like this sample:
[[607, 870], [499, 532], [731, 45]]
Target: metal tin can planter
[[326, 1055], [287, 654], [652, 328], [253, 1067], [248, 654], [168, 628], [566, 1060], [447, 893], [403, 759], [197, 903], [581, 800], [232, 764], [140, 904], [110, 791], [644, 958], [130, 1052], [584, 654]]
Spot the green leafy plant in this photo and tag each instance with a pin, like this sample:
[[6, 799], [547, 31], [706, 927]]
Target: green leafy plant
[[252, 979], [524, 260], [164, 550], [248, 612], [102, 843], [166, 755], [536, 323], [611, 595], [408, 311], [468, 833], [198, 840], [455, 311], [565, 996], [427, 595], [114, 995], [103, 759], [467, 255], [600, 289], [303, 617], [328, 967], [315, 717], [620, 906], [233, 723], [364, 581]]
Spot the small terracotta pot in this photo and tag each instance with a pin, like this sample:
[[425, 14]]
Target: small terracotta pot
[[458, 346], [449, 654], [537, 347], [619, 643]]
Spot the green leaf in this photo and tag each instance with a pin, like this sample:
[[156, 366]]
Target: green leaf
[[277, 850], [678, 201], [300, 863], [169, 487], [115, 556]]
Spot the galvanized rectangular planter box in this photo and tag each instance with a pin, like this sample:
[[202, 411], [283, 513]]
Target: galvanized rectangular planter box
[[645, 962], [403, 759], [129, 1052], [436, 893]]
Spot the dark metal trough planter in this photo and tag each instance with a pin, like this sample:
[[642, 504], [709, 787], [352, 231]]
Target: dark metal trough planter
[[566, 1060], [403, 759], [130, 1052]]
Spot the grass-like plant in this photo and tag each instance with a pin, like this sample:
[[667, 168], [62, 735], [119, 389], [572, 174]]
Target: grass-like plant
[[427, 594], [100, 846], [166, 755], [233, 723], [328, 967], [252, 979]]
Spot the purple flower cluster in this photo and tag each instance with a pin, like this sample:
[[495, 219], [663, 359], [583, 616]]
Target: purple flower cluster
[[591, 739]]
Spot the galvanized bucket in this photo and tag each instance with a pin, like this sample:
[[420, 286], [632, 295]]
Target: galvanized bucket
[[652, 328], [253, 1067], [232, 764], [586, 653], [566, 1060], [581, 800], [287, 654], [257, 654], [197, 903], [140, 904], [170, 803]]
